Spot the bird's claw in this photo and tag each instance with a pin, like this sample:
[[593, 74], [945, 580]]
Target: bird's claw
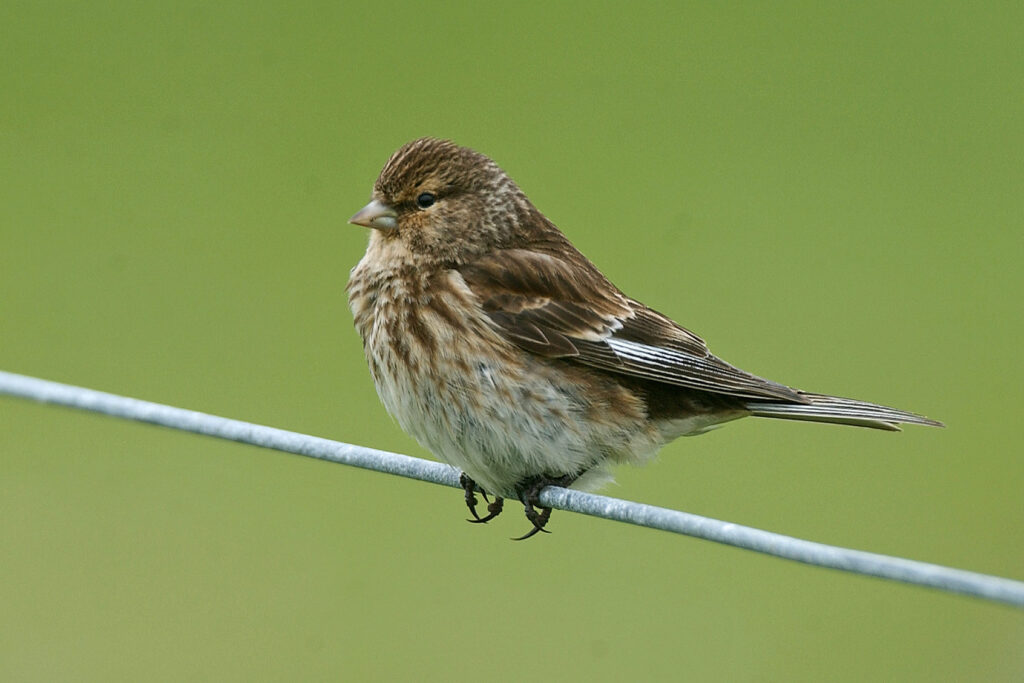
[[538, 519], [493, 508], [531, 501]]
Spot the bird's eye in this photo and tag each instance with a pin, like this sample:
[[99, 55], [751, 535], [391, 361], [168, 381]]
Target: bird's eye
[[425, 200]]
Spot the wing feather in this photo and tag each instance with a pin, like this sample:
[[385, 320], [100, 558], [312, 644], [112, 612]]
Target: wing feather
[[564, 308]]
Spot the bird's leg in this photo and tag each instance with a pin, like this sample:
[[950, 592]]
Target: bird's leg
[[470, 487], [530, 495]]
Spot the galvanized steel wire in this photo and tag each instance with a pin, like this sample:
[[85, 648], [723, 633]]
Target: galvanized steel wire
[[935, 576]]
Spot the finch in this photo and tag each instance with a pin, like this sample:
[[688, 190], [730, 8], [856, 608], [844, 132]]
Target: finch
[[506, 353]]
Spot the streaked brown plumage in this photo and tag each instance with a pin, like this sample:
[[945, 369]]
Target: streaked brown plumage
[[504, 351]]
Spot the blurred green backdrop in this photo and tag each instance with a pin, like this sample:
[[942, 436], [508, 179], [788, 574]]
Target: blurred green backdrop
[[830, 194]]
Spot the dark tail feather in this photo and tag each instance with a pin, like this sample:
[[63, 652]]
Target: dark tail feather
[[836, 410]]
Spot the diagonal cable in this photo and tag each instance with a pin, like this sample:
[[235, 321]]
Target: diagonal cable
[[809, 552]]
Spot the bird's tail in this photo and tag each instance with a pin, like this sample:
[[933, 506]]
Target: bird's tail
[[836, 410]]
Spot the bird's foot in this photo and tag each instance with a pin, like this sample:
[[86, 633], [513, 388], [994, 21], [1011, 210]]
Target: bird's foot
[[493, 509], [530, 495]]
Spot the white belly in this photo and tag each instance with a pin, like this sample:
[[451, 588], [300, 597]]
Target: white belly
[[488, 408]]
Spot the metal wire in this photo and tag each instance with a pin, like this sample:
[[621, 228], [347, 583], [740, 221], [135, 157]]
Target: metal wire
[[819, 554]]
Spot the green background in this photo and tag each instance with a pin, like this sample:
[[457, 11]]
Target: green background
[[830, 194]]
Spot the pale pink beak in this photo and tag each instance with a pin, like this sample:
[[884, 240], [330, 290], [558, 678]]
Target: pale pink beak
[[377, 215]]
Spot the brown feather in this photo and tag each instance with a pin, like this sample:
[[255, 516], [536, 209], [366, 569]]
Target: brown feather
[[558, 309]]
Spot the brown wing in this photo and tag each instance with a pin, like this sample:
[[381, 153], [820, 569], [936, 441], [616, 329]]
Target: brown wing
[[558, 308]]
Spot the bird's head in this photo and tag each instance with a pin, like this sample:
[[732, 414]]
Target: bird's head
[[445, 202]]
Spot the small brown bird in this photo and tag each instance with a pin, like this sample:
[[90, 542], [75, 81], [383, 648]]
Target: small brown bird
[[505, 352]]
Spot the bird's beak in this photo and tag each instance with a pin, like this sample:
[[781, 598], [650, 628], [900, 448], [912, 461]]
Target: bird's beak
[[377, 215]]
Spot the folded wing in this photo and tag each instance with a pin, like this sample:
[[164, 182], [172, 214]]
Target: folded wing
[[566, 309]]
